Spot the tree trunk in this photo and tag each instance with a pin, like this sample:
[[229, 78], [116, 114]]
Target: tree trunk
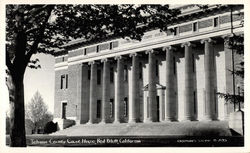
[[17, 121]]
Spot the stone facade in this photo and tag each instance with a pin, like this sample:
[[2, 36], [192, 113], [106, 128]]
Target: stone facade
[[165, 77]]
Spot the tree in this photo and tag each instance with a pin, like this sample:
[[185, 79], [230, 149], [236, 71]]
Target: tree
[[37, 112], [32, 29], [235, 42]]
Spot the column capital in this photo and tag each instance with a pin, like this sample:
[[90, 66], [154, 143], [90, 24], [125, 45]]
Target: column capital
[[188, 44], [150, 51], [91, 62], [169, 48], [227, 36], [104, 60], [118, 57], [210, 40], [83, 64], [133, 54]]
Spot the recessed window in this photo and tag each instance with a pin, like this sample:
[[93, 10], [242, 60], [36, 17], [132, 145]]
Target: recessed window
[[63, 59], [176, 31], [64, 107], [97, 48], [111, 75], [98, 109], [110, 45], [147, 107], [195, 102], [195, 27], [140, 70], [157, 68], [193, 58], [66, 81], [89, 74], [99, 76], [111, 103], [125, 73], [174, 63], [62, 80], [125, 101], [216, 22], [85, 51]]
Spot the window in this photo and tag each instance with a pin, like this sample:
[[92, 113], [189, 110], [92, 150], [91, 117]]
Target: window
[[125, 73], [110, 45], [193, 59], [158, 108], [62, 80], [147, 107], [63, 59], [98, 109], [64, 105], [156, 68], [111, 75], [195, 26], [216, 22], [97, 48], [176, 31], [174, 62], [215, 99], [125, 106], [194, 102], [99, 76], [140, 70], [85, 51], [66, 81], [89, 74], [111, 103]]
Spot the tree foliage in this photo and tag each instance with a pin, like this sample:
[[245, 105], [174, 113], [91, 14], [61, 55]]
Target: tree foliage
[[47, 27], [32, 29], [236, 43], [37, 112]]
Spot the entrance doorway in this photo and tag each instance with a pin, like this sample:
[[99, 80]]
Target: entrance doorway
[[64, 106], [158, 108]]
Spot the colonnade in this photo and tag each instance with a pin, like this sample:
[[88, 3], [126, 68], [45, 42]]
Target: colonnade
[[170, 100]]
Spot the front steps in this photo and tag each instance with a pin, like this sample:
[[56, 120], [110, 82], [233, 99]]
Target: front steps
[[194, 128]]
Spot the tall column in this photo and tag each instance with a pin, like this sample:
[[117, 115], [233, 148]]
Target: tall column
[[83, 106], [133, 117], [210, 112], [119, 89], [189, 83], [152, 87], [170, 107], [105, 90], [92, 98]]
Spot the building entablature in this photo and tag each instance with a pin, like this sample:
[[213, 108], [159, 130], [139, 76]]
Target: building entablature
[[196, 30]]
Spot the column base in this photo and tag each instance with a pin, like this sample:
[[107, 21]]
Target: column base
[[102, 122], [116, 122], [147, 120], [170, 120], [132, 121], [89, 123], [189, 119], [209, 118]]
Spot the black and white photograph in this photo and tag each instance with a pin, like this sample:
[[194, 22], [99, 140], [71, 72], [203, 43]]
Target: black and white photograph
[[123, 75]]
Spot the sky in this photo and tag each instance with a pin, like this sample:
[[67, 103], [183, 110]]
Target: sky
[[41, 80]]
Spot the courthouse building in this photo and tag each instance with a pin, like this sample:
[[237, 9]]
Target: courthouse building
[[165, 77]]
